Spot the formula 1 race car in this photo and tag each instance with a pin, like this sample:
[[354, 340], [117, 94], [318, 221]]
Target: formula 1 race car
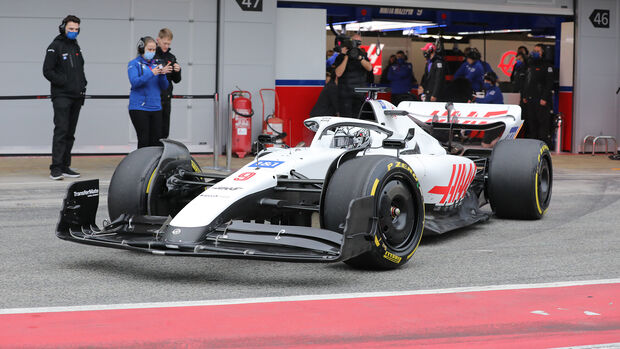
[[362, 192]]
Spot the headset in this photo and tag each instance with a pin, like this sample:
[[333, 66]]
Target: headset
[[141, 45], [63, 25]]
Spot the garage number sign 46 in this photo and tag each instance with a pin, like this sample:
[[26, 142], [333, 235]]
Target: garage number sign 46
[[600, 18]]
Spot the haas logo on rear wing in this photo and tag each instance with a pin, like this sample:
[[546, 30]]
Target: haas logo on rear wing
[[443, 117]]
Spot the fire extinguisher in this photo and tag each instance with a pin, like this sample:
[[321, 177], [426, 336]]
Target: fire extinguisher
[[272, 124], [241, 122]]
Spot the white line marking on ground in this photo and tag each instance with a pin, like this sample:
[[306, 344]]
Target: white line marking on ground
[[591, 313], [539, 312], [304, 297], [596, 346]]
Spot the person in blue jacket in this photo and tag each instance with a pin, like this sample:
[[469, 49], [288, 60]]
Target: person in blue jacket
[[148, 80], [472, 70], [400, 75], [493, 95]]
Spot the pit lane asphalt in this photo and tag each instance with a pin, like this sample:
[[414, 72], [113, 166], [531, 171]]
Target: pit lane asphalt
[[578, 239]]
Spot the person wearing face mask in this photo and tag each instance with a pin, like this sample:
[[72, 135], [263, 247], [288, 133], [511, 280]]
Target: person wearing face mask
[[165, 57], [400, 75], [472, 69], [537, 94], [352, 72], [492, 93], [434, 79], [64, 68], [148, 80]]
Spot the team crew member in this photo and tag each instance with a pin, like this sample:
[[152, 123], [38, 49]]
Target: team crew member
[[165, 57], [493, 95], [433, 80], [400, 75], [537, 96], [472, 70], [352, 72], [327, 103], [64, 68], [148, 81]]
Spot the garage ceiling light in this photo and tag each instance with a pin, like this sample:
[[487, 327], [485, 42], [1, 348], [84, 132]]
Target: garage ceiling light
[[378, 25], [502, 31]]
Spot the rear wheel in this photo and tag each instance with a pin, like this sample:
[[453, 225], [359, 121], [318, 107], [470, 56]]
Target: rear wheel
[[399, 208], [134, 179], [520, 179]]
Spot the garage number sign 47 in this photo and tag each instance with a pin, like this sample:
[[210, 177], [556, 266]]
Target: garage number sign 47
[[251, 5]]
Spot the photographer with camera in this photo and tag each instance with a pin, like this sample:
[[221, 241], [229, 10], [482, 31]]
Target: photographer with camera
[[352, 67], [173, 74]]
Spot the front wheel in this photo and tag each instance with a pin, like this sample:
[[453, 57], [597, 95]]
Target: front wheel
[[135, 178], [398, 208]]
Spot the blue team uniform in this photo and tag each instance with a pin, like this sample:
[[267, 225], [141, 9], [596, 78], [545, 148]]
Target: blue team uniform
[[492, 96]]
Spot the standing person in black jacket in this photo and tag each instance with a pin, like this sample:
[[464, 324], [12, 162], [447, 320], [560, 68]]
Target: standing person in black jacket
[[64, 68], [537, 94], [434, 78], [164, 55]]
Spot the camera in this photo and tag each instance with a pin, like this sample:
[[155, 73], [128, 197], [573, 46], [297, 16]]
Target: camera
[[353, 49]]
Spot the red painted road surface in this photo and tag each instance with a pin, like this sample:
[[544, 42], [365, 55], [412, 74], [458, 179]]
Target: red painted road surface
[[576, 315]]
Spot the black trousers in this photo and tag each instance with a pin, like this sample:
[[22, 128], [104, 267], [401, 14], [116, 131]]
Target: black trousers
[[66, 113], [165, 120], [148, 127], [538, 120], [350, 101]]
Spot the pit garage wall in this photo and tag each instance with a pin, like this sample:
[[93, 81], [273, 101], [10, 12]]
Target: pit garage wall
[[597, 73], [108, 37], [300, 67]]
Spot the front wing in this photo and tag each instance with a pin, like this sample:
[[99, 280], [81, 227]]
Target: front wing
[[234, 239]]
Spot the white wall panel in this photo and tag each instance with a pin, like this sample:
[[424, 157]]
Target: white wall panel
[[164, 10], [295, 60], [108, 40], [596, 73], [109, 9]]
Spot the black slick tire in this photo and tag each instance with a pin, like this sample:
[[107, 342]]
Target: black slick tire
[[520, 179], [399, 208], [129, 185]]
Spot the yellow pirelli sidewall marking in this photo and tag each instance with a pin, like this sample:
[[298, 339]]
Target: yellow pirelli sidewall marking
[[377, 241], [392, 257], [374, 187], [542, 150], [195, 166], [148, 186]]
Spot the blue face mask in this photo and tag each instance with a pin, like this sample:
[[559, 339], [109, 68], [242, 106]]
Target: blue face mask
[[149, 55], [400, 60], [536, 55], [72, 35], [486, 86]]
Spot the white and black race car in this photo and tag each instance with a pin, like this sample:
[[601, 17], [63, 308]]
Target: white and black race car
[[363, 191]]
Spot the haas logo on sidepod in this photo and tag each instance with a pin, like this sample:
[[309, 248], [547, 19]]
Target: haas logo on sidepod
[[453, 193]]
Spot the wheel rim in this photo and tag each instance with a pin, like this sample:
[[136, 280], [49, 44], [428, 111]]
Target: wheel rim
[[544, 182], [397, 214]]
